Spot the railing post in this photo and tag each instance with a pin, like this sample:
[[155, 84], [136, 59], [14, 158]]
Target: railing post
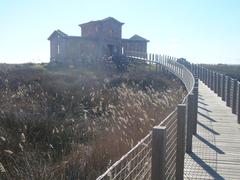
[[212, 80], [238, 102], [209, 79], [234, 96], [158, 153], [202, 74], [181, 121], [219, 84], [198, 71], [190, 117], [215, 82], [223, 87], [205, 76], [227, 92], [195, 92]]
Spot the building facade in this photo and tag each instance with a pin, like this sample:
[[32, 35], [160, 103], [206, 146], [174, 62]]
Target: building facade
[[98, 39]]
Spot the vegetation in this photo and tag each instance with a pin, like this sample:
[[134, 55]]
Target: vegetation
[[60, 122], [230, 70]]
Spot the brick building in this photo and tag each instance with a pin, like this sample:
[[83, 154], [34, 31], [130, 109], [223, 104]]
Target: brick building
[[98, 39]]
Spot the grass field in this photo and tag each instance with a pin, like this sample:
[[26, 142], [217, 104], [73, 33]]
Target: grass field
[[73, 122]]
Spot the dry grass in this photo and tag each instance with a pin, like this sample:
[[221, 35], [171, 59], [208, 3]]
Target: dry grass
[[73, 123]]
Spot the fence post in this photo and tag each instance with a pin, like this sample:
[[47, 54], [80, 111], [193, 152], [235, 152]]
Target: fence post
[[228, 88], [158, 152], [198, 72], [223, 87], [234, 96], [181, 121], [219, 84], [195, 92], [212, 80], [205, 76], [190, 117], [209, 78], [238, 102], [215, 82]]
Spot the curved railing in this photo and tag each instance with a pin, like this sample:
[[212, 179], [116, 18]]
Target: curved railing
[[224, 86], [160, 154]]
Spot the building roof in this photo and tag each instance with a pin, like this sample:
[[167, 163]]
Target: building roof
[[57, 33], [102, 21], [138, 38], [111, 19]]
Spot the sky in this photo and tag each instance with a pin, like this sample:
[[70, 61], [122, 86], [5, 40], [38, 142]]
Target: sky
[[202, 31]]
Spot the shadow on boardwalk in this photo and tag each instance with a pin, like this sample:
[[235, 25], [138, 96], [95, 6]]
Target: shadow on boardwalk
[[206, 167], [215, 147]]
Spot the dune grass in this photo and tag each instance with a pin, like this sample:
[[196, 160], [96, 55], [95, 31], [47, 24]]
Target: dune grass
[[73, 122]]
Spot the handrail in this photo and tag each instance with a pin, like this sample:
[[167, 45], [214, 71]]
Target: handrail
[[138, 162]]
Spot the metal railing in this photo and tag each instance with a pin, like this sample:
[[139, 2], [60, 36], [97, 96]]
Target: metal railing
[[160, 155]]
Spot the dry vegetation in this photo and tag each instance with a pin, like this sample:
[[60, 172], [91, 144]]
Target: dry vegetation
[[73, 123]]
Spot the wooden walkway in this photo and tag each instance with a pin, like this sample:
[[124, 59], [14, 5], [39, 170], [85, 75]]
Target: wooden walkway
[[216, 146]]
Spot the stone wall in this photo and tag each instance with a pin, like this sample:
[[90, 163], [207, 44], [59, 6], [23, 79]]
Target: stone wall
[[102, 30]]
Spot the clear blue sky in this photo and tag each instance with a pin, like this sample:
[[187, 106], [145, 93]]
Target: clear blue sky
[[205, 31]]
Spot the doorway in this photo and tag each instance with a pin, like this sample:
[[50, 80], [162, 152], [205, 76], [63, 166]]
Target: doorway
[[110, 49]]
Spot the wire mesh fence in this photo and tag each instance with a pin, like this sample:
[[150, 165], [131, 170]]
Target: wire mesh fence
[[136, 164], [171, 145]]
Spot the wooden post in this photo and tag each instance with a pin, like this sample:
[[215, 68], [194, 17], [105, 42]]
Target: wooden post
[[234, 96], [228, 88], [219, 84], [209, 78], [212, 81], [198, 72], [181, 121], [231, 92], [195, 92], [223, 87], [205, 76], [215, 82], [190, 117], [238, 102], [158, 153], [201, 73], [196, 82]]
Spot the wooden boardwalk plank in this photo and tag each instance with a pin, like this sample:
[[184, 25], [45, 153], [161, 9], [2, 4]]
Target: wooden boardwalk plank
[[216, 146]]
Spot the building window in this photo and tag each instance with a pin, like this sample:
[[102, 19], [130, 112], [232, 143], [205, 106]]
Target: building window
[[110, 32], [58, 49]]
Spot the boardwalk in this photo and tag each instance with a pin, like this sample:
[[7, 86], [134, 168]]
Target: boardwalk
[[216, 147]]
